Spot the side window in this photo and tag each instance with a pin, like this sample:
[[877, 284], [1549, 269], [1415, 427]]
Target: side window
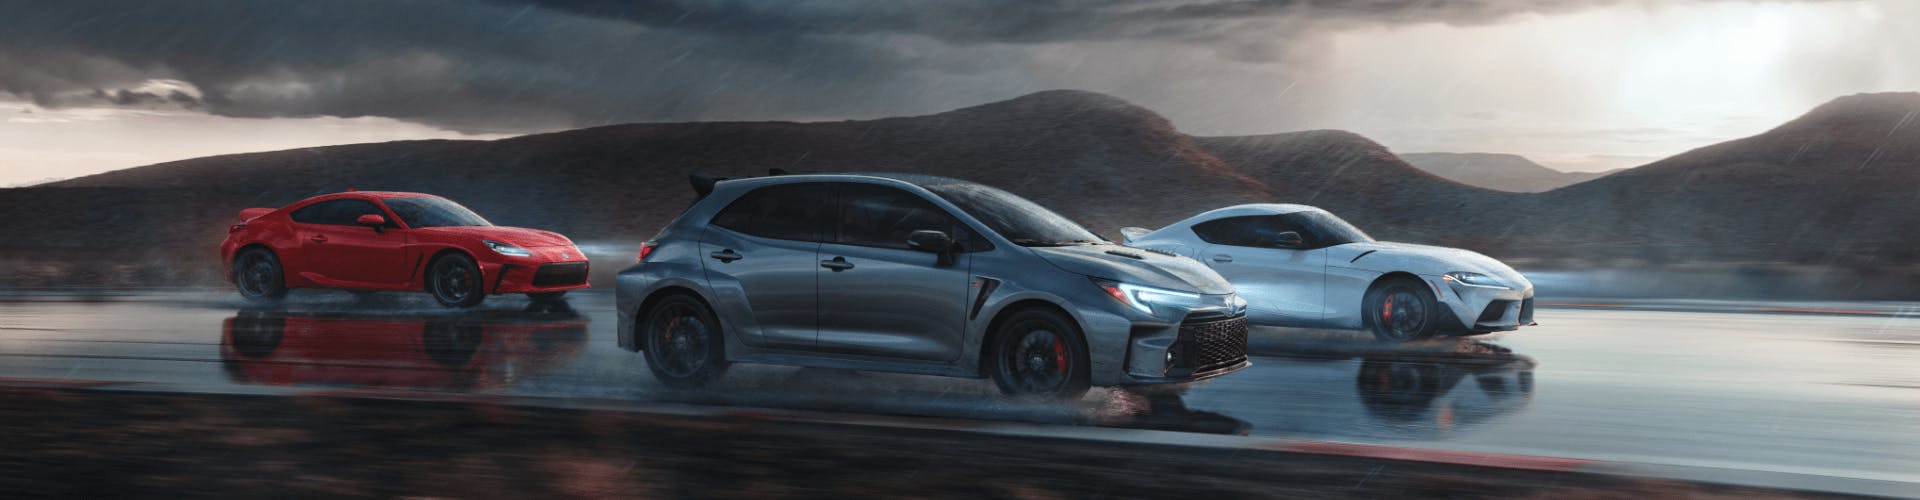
[[788, 212], [1310, 233], [1235, 231], [335, 212], [879, 216], [1257, 231]]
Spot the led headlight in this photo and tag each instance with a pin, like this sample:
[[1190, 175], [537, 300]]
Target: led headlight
[[1144, 298], [507, 250], [1476, 280]]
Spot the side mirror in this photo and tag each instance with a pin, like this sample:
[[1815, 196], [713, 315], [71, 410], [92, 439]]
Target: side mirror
[[934, 242], [1288, 239], [376, 221]]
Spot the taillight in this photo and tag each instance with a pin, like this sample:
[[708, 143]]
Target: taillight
[[646, 248]]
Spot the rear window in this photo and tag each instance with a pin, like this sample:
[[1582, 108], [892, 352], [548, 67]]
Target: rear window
[[786, 212]]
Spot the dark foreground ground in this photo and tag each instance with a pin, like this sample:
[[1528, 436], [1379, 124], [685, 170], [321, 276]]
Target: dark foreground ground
[[99, 444]]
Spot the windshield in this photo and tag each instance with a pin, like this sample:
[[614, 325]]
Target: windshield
[[426, 211], [1330, 230], [1023, 222]]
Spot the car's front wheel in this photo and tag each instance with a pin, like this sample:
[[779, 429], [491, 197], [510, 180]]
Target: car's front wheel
[[454, 280], [257, 273], [1037, 352], [685, 346], [1401, 310]]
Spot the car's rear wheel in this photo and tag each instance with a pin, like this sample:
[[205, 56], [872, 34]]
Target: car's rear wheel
[[258, 275], [685, 345], [455, 281], [1038, 352], [1401, 310]]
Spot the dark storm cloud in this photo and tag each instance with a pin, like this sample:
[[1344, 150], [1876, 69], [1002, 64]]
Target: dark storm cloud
[[508, 66]]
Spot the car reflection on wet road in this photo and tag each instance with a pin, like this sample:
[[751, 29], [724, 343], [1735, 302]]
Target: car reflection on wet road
[[1790, 393], [479, 352]]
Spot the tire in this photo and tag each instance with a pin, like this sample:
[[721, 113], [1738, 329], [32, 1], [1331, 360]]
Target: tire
[[547, 296], [455, 281], [685, 345], [258, 275], [1038, 352], [1401, 310]]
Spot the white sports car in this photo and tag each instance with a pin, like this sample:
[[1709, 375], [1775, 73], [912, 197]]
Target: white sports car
[[1300, 266]]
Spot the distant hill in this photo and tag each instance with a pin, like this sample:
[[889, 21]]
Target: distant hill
[[1358, 179], [1504, 172], [1838, 185], [1099, 159], [1834, 187]]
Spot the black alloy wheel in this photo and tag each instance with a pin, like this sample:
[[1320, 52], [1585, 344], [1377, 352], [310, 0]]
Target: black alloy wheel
[[455, 281]]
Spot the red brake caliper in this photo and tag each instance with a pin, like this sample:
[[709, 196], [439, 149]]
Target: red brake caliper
[[1387, 312], [667, 336], [1059, 356]]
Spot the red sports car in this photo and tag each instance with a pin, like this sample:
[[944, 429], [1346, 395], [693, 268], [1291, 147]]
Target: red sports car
[[369, 241]]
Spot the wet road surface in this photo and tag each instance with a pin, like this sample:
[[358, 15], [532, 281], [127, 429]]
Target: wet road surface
[[1835, 395]]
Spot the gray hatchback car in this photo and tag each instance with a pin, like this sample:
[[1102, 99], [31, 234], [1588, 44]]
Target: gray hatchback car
[[918, 274]]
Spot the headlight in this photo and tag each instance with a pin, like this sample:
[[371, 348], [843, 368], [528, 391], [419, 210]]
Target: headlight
[[508, 250], [1144, 298], [1474, 280]]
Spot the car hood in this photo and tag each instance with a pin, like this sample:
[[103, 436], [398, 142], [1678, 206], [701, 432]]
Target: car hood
[[516, 236], [1148, 269], [1426, 260]]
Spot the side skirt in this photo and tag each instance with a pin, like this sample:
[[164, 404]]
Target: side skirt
[[846, 362]]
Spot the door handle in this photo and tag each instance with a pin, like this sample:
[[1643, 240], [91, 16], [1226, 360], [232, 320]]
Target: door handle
[[319, 238], [837, 264], [1220, 257], [726, 256]]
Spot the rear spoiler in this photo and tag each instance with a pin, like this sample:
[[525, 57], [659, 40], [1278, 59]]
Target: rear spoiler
[[703, 183], [1127, 234]]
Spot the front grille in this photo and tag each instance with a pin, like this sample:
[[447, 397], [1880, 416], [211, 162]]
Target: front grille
[[1205, 346], [563, 274], [1526, 311]]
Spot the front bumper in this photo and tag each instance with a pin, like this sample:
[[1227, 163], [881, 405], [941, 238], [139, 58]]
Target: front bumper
[[1204, 345], [538, 277], [1483, 310]]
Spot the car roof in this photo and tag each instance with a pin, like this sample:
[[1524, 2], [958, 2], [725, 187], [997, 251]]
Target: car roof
[[1256, 209], [920, 180], [367, 195]]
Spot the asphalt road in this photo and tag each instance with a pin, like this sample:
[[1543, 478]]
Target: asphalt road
[[1832, 395]]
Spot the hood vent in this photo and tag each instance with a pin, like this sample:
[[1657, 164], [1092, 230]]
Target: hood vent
[[1129, 255]]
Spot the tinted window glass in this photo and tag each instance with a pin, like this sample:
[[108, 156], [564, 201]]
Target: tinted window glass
[[433, 212], [1018, 220], [1236, 231], [880, 216], [1316, 229], [787, 212], [1323, 229], [336, 212]]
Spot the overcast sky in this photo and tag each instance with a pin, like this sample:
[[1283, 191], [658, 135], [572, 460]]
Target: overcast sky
[[89, 86]]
